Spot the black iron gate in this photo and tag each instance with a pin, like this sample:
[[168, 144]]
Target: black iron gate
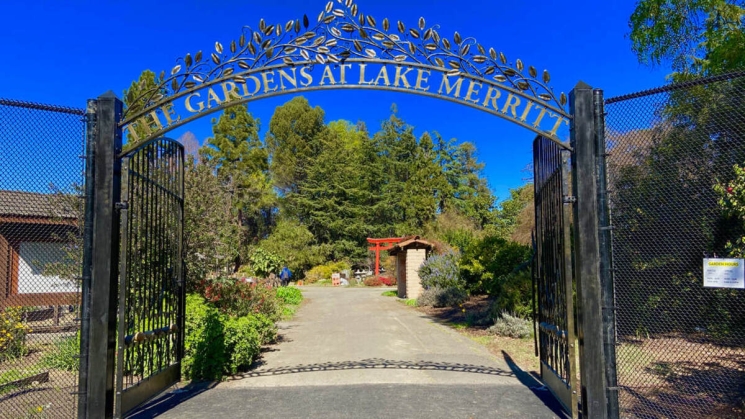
[[553, 271], [151, 282]]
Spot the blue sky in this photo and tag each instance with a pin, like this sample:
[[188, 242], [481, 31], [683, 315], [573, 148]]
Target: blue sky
[[64, 52]]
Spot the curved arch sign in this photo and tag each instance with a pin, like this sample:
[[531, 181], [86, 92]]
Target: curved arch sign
[[346, 49]]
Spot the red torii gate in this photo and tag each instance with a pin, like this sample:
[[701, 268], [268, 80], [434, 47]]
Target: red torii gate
[[382, 244]]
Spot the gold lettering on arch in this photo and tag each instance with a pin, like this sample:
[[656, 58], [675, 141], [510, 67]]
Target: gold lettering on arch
[[492, 97]]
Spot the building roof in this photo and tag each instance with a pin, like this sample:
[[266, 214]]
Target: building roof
[[410, 242], [33, 204]]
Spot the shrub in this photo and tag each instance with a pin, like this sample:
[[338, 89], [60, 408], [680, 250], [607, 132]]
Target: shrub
[[373, 281], [218, 344], [512, 326], [441, 271], [265, 327], [515, 294], [486, 263], [242, 343], [388, 281], [237, 298], [324, 271], [293, 243], [289, 295], [264, 262], [442, 297], [13, 333], [204, 345], [65, 355]]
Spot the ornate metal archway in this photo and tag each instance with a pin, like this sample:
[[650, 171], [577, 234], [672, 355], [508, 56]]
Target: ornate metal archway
[[346, 49]]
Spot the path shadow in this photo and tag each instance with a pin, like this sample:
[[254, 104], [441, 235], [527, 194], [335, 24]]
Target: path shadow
[[536, 386], [373, 363], [169, 400]]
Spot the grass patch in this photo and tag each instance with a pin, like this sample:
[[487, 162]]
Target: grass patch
[[411, 302], [64, 354], [391, 293], [481, 340], [288, 312], [459, 325], [13, 375], [291, 299]]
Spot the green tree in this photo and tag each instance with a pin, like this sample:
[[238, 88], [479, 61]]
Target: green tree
[[337, 198], [397, 149], [294, 141], [295, 245], [697, 37], [241, 165], [211, 230], [471, 195], [425, 188], [514, 212], [137, 98]]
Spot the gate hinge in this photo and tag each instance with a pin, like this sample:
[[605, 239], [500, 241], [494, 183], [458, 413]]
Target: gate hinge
[[121, 205], [570, 199]]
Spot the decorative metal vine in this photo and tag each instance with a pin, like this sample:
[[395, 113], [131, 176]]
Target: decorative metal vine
[[342, 33]]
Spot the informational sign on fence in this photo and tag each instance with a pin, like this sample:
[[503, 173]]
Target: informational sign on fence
[[724, 273]]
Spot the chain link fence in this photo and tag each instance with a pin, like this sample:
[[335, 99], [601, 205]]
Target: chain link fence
[[677, 198], [41, 229]]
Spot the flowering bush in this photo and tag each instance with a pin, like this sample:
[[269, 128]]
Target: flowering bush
[[12, 333], [441, 271], [732, 203], [373, 281], [388, 281], [238, 298]]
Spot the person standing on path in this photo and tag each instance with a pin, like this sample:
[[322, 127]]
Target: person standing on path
[[285, 276]]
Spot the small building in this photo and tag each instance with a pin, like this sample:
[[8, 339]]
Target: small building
[[36, 231], [410, 254]]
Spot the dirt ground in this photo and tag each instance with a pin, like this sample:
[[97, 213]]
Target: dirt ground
[[680, 377], [51, 399]]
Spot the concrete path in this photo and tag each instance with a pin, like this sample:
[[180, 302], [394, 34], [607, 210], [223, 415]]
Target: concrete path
[[352, 353]]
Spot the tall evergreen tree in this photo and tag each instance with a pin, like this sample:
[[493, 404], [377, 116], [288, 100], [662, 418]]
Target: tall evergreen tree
[[241, 164], [294, 140], [336, 200]]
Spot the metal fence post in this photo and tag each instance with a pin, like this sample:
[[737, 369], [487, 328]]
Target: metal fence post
[[589, 314], [85, 300], [104, 259], [606, 260]]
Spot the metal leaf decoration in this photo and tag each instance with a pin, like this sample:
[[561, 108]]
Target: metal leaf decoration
[[342, 32]]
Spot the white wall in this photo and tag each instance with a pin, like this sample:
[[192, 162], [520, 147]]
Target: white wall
[[32, 257]]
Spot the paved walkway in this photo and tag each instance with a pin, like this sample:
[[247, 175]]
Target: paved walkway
[[352, 353]]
